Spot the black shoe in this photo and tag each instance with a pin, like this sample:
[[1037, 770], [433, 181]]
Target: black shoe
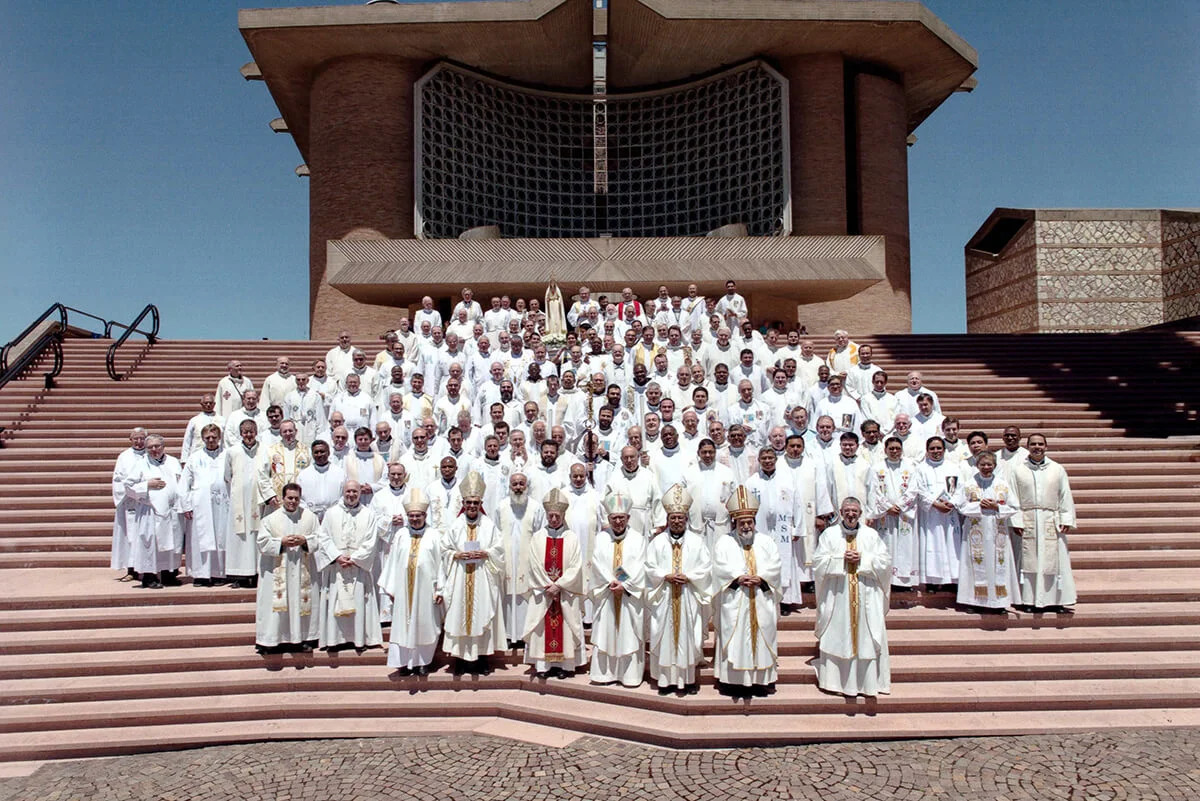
[[692, 689], [149, 579], [154, 584], [307, 646], [170, 578], [404, 671], [483, 666], [202, 582], [460, 666], [665, 690], [217, 582], [421, 670], [561, 673]]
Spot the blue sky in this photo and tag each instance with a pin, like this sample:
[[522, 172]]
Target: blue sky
[[138, 165]]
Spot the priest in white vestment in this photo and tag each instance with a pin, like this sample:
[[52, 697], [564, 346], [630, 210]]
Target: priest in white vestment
[[306, 407], [286, 458], [125, 503], [412, 578], [678, 588], [473, 553], [987, 571], [347, 547], [617, 577], [779, 511], [285, 616], [192, 440], [853, 578], [157, 534], [517, 519], [938, 524], [250, 410], [710, 484], [249, 491], [204, 499], [891, 509], [640, 485], [321, 482], [277, 385], [746, 573], [231, 389], [553, 631], [1047, 514]]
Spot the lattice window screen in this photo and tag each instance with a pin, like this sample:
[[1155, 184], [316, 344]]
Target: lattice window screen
[[681, 161]]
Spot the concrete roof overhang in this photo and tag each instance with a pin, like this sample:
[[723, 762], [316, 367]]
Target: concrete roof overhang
[[651, 43], [806, 269]]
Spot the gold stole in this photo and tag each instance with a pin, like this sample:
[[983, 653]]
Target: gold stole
[[618, 555], [752, 570], [414, 551], [852, 580], [676, 589], [279, 600], [469, 612]]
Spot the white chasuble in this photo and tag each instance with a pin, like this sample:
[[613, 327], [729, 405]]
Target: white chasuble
[[891, 484], [287, 580], [618, 623], [553, 630], [851, 604], [349, 595], [474, 625], [677, 616], [156, 536], [747, 617], [203, 492], [412, 578], [249, 489], [779, 509], [1044, 495], [940, 532], [987, 571]]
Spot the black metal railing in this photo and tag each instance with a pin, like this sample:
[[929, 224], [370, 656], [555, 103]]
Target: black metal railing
[[110, 358], [14, 363]]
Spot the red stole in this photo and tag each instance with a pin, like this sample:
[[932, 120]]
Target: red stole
[[554, 614]]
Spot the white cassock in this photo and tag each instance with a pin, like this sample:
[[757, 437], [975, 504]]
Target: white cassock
[[987, 571], [368, 468], [349, 595], [880, 407], [516, 523], [585, 517], [287, 580], [710, 486], [743, 463], [192, 441], [249, 489], [445, 501], [677, 612], [339, 361], [275, 389], [848, 479], [388, 504], [307, 410], [495, 477], [779, 513], [1044, 494], [422, 468], [126, 506], [940, 532], [892, 484], [810, 478], [321, 487], [858, 380], [746, 641], [851, 606], [906, 400], [233, 432], [412, 578], [641, 487], [474, 625], [357, 410], [669, 466], [618, 623], [203, 492], [156, 535], [229, 394], [844, 412], [553, 632]]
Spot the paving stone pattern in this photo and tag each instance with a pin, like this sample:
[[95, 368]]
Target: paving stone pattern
[[1107, 766]]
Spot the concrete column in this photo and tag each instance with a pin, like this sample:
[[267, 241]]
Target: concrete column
[[817, 106], [361, 184], [881, 158]]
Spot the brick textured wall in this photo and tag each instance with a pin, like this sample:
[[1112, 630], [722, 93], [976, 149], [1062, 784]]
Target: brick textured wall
[[1002, 290], [361, 185], [1181, 265], [816, 95]]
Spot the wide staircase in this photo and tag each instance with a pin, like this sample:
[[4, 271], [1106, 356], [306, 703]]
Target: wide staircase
[[90, 665]]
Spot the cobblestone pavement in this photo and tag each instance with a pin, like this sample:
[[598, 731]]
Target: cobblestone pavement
[[1108, 766]]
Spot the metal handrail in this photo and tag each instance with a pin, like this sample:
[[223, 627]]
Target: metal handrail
[[62, 322], [110, 358]]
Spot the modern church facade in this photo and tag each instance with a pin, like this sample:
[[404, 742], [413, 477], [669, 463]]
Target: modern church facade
[[610, 143]]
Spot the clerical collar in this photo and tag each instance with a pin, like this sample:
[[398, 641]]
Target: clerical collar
[[449, 484], [618, 537], [212, 452], [850, 528], [578, 490], [416, 532], [248, 448], [141, 452], [492, 462], [398, 490], [364, 455], [420, 454], [848, 460], [737, 451], [879, 393], [294, 516], [793, 462], [704, 466], [678, 536], [670, 451], [628, 474], [766, 474], [890, 463], [1037, 465], [555, 532], [154, 461], [352, 509], [321, 468], [934, 462]]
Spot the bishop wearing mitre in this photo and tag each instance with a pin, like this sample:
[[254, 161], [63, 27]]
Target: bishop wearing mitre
[[554, 618], [617, 581], [412, 578], [678, 587], [473, 555], [747, 569]]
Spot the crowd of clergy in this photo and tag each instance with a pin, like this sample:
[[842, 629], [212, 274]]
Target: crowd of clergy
[[641, 470]]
